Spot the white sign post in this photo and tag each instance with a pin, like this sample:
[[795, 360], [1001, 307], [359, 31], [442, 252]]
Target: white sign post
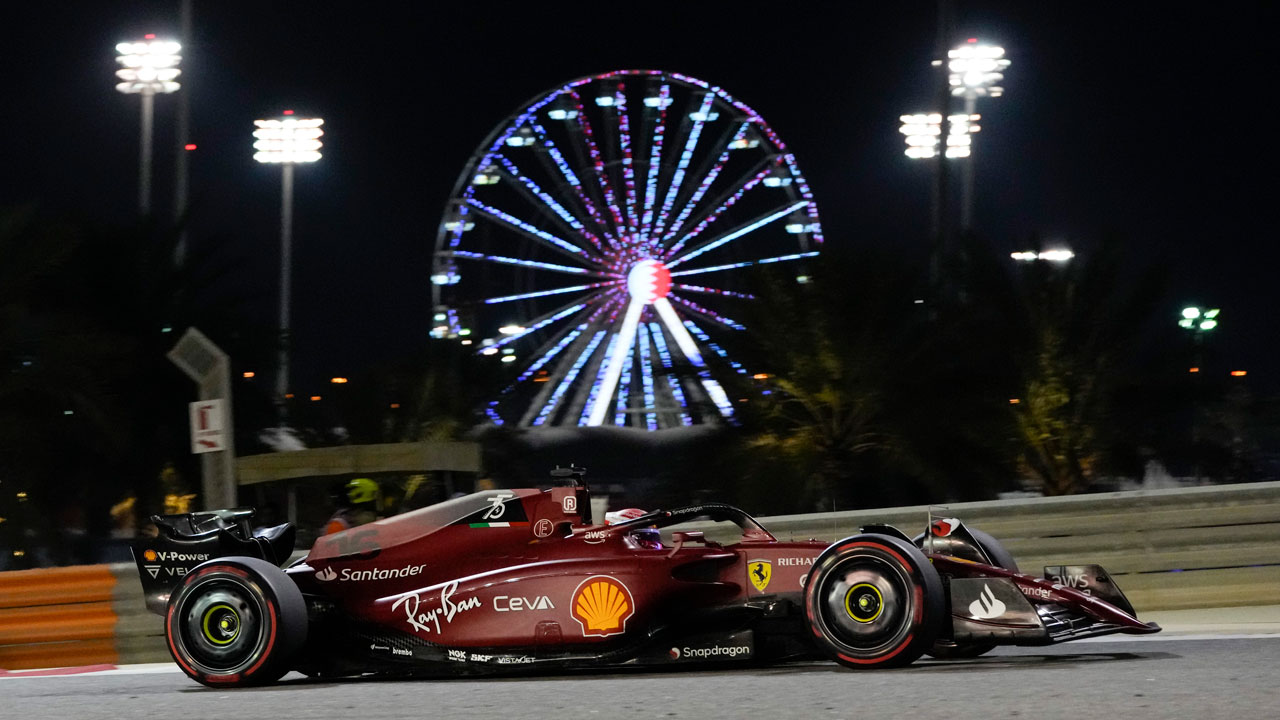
[[207, 426], [211, 420]]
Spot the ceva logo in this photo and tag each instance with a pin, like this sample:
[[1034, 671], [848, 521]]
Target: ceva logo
[[326, 575]]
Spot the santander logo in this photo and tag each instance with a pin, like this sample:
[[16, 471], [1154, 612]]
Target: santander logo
[[326, 575], [987, 606]]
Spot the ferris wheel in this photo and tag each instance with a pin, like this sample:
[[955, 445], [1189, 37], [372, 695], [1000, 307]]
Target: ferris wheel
[[597, 242]]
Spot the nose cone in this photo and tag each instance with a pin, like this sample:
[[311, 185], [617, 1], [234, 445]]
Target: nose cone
[[648, 281]]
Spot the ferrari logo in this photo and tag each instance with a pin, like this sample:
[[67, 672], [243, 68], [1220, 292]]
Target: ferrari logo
[[760, 572]]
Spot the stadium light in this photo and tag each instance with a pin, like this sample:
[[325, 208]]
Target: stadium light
[[923, 133], [1059, 255], [976, 69], [147, 68], [1194, 318], [286, 141]]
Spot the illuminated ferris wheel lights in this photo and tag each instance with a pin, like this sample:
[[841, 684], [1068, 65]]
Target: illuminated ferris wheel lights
[[612, 354], [522, 138], [446, 274], [777, 177], [488, 175], [797, 223]]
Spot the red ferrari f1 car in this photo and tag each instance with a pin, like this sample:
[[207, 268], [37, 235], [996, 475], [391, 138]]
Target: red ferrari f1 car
[[520, 580]]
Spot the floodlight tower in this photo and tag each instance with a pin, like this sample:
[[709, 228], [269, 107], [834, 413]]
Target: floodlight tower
[[286, 141], [149, 67], [975, 70]]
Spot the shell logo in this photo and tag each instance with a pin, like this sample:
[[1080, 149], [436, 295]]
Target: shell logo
[[602, 606], [149, 555]]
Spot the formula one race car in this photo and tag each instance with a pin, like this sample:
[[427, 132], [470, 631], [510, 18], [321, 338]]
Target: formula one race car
[[520, 580]]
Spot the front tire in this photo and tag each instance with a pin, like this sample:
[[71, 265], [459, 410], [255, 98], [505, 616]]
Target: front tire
[[873, 601], [234, 622]]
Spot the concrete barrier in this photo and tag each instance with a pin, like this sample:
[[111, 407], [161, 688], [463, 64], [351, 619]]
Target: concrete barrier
[[1209, 547], [1216, 546]]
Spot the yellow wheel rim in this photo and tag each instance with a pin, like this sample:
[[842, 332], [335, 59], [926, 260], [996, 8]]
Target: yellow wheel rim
[[864, 603], [228, 624]]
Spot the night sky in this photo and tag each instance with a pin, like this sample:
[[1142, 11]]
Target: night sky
[[1146, 124]]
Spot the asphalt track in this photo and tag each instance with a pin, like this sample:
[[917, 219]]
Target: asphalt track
[[1189, 676]]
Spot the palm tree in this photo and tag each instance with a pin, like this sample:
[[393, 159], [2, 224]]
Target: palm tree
[[1077, 328], [871, 399]]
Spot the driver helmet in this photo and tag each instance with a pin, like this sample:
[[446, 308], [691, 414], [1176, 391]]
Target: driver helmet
[[648, 538], [362, 490], [621, 516]]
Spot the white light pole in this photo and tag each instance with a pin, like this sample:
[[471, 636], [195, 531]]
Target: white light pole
[[975, 71], [287, 141], [149, 67]]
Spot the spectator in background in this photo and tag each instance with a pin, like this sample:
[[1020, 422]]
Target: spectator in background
[[358, 506]]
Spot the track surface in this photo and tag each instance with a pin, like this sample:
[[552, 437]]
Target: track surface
[[1213, 677]]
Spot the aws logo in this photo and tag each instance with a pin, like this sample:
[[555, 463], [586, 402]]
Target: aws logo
[[602, 606]]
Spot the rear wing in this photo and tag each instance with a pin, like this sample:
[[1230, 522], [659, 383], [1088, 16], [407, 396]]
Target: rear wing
[[184, 541]]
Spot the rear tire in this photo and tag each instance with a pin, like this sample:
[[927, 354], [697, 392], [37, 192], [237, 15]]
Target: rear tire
[[234, 622], [873, 601], [949, 649]]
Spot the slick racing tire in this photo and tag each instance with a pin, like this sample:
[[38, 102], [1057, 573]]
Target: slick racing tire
[[873, 601], [235, 621], [945, 649]]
